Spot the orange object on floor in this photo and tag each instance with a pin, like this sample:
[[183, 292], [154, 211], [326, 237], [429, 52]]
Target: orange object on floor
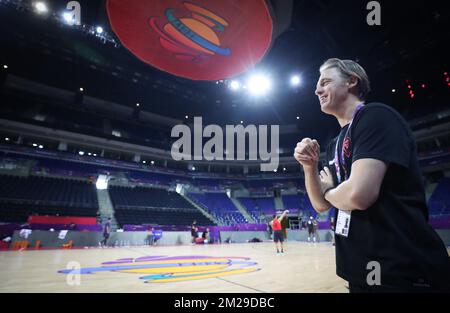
[[20, 245], [68, 245], [37, 245], [199, 240]]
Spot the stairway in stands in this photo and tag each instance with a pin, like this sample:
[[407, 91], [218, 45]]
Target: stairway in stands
[[243, 210], [106, 208], [201, 209]]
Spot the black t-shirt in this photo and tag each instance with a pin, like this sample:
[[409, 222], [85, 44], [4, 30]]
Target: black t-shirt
[[107, 228], [394, 231], [310, 225], [194, 229]]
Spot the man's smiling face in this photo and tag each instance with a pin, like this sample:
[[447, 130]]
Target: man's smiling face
[[332, 89]]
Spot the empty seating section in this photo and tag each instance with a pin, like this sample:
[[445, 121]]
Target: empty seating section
[[439, 202], [67, 168], [258, 206], [143, 197], [141, 205], [207, 183], [270, 184], [220, 206], [50, 191], [19, 213], [135, 216], [148, 135], [298, 203], [265, 184], [215, 184], [156, 178], [23, 196]]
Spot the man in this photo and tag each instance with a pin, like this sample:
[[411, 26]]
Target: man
[[269, 229], [150, 238], [194, 231], [332, 230], [311, 229], [316, 229], [383, 240], [106, 231], [205, 235], [278, 237]]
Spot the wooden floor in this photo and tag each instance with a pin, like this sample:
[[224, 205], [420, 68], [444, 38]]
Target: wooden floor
[[303, 268]]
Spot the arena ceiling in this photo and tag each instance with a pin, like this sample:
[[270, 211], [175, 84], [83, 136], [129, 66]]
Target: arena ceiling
[[410, 44]]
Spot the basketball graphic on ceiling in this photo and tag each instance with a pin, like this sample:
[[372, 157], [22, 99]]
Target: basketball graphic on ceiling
[[196, 39]]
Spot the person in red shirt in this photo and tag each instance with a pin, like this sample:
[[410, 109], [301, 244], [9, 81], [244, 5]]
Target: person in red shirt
[[278, 237]]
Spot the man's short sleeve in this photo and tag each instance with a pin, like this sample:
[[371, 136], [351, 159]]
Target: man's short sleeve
[[378, 133]]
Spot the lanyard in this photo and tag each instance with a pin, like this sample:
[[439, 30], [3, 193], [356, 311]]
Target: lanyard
[[341, 161]]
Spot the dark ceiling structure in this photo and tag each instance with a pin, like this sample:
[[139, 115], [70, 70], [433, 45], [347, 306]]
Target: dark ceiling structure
[[409, 47]]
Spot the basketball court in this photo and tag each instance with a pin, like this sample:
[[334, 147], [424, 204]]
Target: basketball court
[[304, 267]]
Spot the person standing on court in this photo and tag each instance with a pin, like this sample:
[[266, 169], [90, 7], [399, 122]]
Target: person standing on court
[[311, 229], [106, 231], [383, 239], [278, 236], [332, 230], [194, 231], [205, 235]]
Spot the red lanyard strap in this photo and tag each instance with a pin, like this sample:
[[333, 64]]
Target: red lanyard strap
[[338, 163]]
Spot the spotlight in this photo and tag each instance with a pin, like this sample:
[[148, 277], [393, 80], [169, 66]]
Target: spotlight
[[275, 170], [5, 67], [99, 30], [35, 145], [295, 80], [6, 139], [145, 162], [152, 162], [81, 152], [89, 153], [81, 89], [193, 168], [95, 154], [259, 85], [186, 117], [284, 169], [235, 85], [298, 117], [41, 147], [41, 7], [137, 104], [393, 90], [242, 122], [68, 18]]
